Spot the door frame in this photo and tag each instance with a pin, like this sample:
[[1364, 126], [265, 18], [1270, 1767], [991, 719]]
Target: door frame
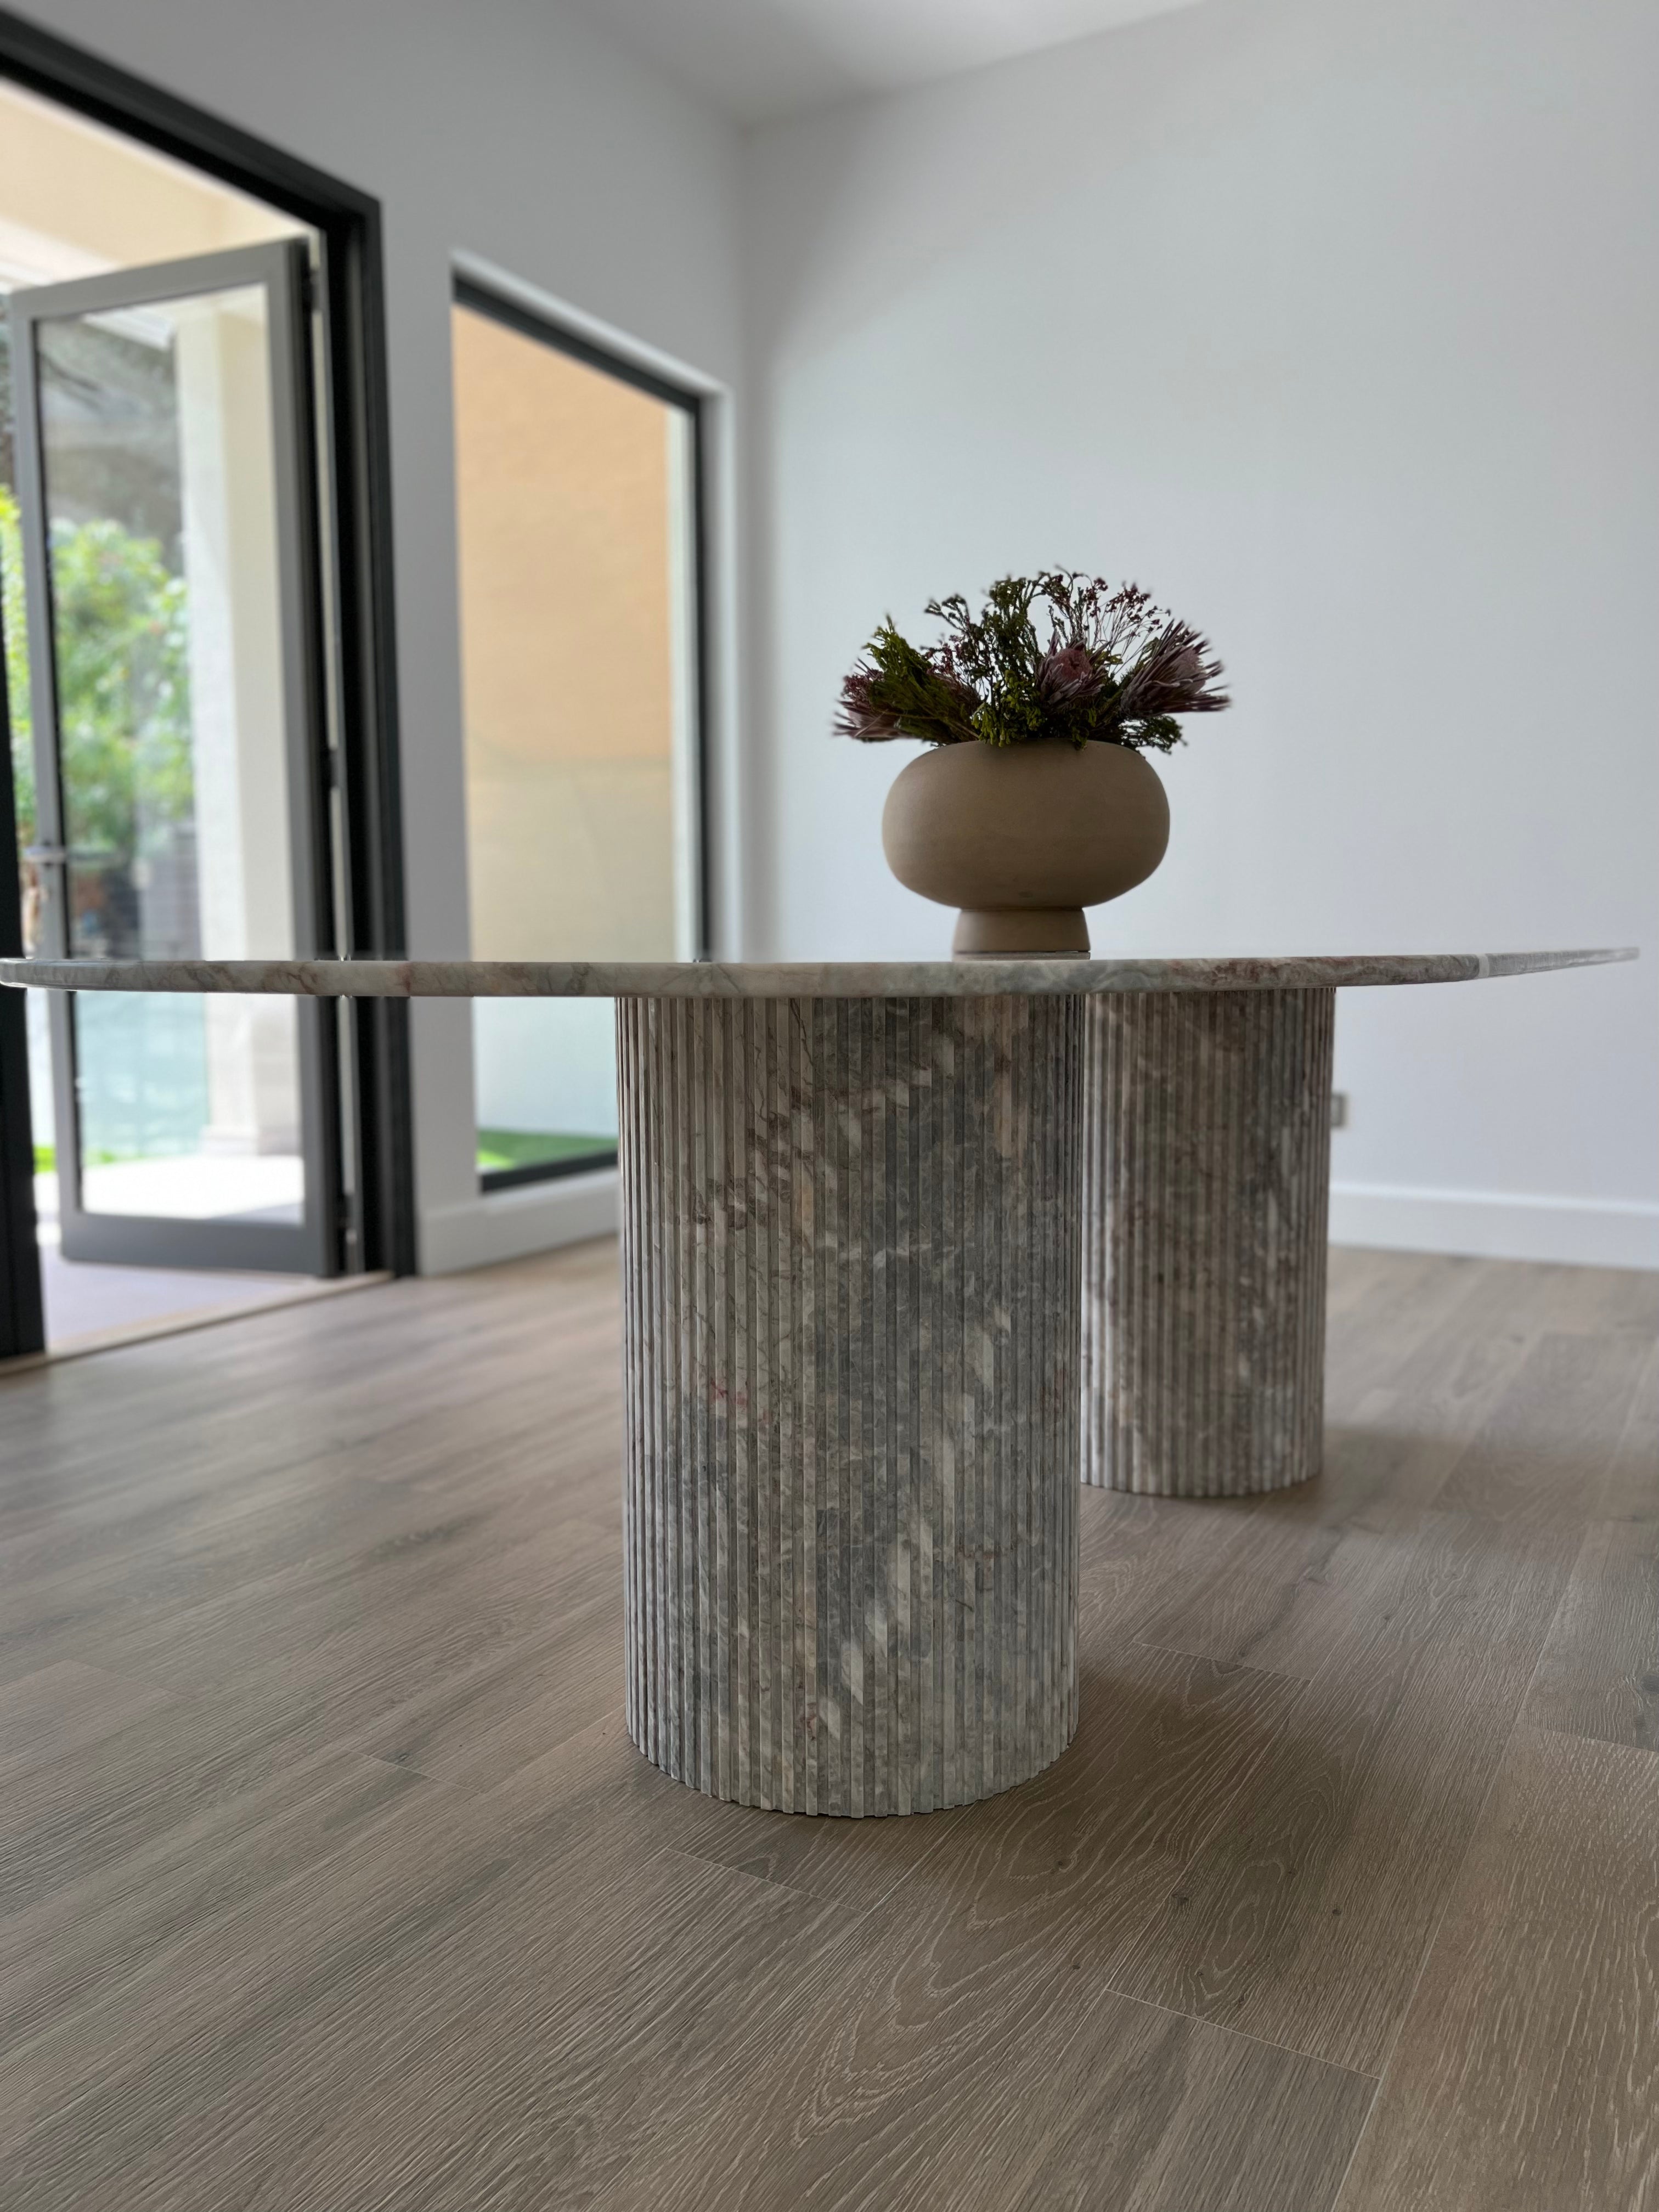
[[358, 507], [280, 270], [22, 1319]]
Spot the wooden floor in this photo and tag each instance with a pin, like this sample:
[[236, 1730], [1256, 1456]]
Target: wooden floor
[[329, 1880]]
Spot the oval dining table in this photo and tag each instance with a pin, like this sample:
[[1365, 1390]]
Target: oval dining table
[[907, 1249]]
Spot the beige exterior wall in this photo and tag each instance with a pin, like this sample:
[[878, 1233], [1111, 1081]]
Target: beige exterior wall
[[565, 492], [75, 200]]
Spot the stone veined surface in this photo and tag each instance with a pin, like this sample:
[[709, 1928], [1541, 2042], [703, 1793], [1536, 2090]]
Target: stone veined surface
[[852, 1338], [1205, 1200], [828, 979]]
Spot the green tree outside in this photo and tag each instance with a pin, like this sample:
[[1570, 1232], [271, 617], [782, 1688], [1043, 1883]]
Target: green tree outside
[[17, 663], [124, 695], [123, 685]]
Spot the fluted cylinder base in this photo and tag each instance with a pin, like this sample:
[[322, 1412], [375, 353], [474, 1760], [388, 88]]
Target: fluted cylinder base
[[1206, 1181], [851, 1259]]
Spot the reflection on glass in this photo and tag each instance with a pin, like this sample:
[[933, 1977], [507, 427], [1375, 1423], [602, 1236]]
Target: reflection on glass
[[188, 1107], [574, 514], [161, 496]]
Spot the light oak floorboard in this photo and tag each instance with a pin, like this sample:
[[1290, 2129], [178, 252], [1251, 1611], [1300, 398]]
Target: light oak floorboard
[[1303, 1923], [1631, 1491], [931, 2058], [1527, 2077], [1599, 1674], [1277, 1582], [328, 1877]]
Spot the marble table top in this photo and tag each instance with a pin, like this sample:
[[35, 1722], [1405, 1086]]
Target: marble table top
[[833, 979]]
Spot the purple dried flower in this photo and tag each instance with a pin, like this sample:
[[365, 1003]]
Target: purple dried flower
[[859, 715], [1068, 677]]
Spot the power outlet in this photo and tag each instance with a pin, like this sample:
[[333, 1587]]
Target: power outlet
[[1338, 1109]]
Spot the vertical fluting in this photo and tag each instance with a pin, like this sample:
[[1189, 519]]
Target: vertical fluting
[[1205, 1200], [851, 1247]]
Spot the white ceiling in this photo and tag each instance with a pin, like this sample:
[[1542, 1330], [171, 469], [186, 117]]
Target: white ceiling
[[759, 59]]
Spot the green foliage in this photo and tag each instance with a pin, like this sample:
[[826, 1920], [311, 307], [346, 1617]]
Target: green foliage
[[17, 663], [1107, 665], [905, 693], [123, 684]]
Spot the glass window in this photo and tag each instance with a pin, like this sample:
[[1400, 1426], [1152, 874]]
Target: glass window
[[157, 431], [576, 494]]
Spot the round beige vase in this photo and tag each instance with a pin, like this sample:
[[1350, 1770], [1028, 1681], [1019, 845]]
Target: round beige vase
[[1022, 837]]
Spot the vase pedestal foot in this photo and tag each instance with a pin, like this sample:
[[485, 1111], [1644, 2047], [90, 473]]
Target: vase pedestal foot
[[1206, 1192], [1016, 931]]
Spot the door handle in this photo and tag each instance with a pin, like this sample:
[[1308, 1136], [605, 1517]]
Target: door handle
[[54, 855]]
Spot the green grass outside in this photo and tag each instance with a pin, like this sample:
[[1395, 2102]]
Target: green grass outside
[[534, 1148]]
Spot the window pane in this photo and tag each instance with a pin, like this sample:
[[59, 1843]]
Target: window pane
[[159, 471], [575, 531], [189, 1107], [546, 1089]]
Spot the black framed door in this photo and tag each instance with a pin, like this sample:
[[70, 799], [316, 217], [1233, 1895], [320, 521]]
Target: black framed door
[[168, 490], [377, 1229]]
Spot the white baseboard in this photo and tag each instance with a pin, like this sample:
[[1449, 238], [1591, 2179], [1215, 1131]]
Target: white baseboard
[[507, 1224], [1584, 1232]]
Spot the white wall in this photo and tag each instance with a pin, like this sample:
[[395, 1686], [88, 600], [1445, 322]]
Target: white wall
[[506, 131], [1336, 324]]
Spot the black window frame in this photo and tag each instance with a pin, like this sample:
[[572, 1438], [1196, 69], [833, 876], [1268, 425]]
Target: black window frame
[[381, 1220], [482, 299]]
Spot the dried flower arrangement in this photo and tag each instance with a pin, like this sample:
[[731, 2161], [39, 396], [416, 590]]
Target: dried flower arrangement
[[1106, 664]]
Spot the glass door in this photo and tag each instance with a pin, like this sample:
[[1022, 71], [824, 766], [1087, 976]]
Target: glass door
[[168, 506]]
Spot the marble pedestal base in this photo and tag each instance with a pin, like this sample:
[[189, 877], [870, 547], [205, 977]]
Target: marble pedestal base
[[850, 1233], [1207, 1184]]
